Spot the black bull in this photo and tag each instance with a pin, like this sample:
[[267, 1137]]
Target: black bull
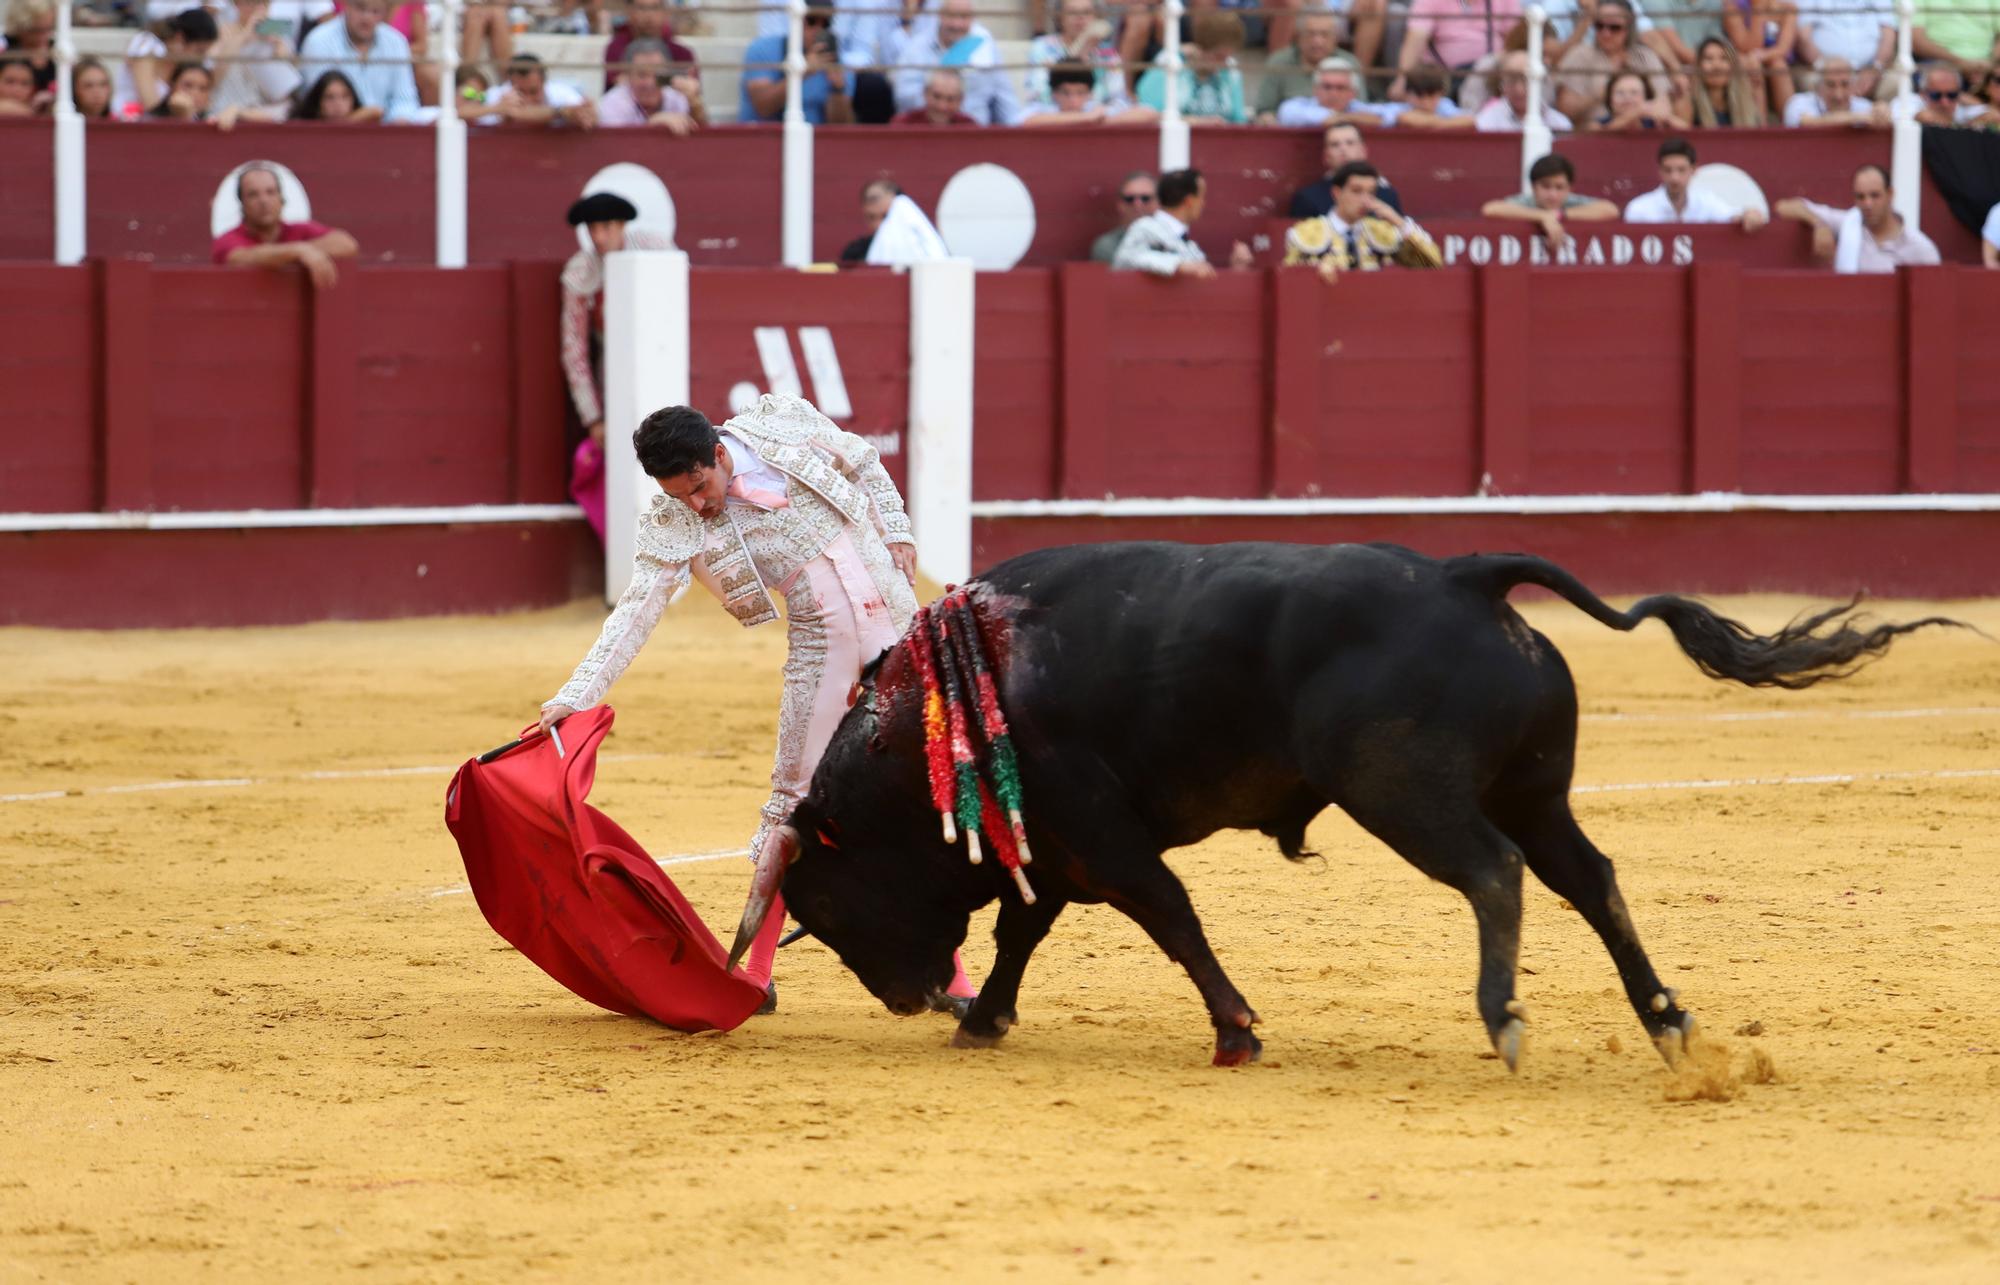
[[1160, 692]]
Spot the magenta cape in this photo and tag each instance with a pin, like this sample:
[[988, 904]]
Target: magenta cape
[[573, 892]]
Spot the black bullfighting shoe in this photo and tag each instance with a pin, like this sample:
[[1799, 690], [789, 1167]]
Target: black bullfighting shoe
[[770, 1004], [956, 1005]]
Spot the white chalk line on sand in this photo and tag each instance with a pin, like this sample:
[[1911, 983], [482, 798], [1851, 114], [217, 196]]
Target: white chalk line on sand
[[1752, 716]]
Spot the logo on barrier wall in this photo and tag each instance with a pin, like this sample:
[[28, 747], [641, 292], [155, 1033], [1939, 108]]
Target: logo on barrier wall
[[829, 385], [1589, 250]]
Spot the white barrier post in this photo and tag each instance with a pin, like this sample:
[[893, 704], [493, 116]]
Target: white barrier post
[[451, 167], [796, 180], [1176, 139], [1906, 137], [645, 368], [69, 147], [1537, 140], [940, 434]]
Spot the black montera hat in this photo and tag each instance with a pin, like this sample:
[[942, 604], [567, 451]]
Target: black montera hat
[[602, 207]]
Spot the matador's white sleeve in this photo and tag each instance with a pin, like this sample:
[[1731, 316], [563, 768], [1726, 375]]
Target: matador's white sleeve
[[862, 464], [625, 631]]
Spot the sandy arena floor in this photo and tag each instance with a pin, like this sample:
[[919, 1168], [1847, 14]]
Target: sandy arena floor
[[254, 1030]]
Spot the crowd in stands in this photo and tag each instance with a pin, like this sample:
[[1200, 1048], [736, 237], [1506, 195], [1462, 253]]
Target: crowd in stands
[[1454, 64]]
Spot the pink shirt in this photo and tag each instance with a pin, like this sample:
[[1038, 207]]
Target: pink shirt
[[616, 109], [1461, 38], [239, 238]]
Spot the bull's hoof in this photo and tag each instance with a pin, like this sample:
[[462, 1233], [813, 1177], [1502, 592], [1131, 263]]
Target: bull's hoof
[[1507, 1042], [1237, 1048], [1673, 1042], [964, 1039]]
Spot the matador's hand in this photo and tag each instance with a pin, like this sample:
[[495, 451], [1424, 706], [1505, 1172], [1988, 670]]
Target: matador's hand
[[551, 715], [905, 556]]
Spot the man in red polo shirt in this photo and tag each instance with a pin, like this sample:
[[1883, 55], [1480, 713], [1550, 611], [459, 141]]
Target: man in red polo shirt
[[265, 240]]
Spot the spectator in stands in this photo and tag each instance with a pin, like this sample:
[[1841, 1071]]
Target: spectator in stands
[[1340, 145], [1677, 200], [1725, 93], [1965, 33], [1552, 201], [141, 80], [1361, 233], [1073, 90], [30, 42], [1211, 87], [649, 94], [877, 195], [265, 240], [645, 23], [470, 87], [1989, 239], [1833, 101], [823, 92], [1289, 72], [1626, 107], [954, 40], [1426, 106], [530, 98], [1453, 34], [1160, 244], [1941, 98], [1137, 197], [374, 56], [188, 88], [1862, 33], [1765, 36], [333, 97], [488, 23], [1080, 38], [944, 97], [1871, 237], [253, 64], [1585, 71], [1507, 112], [1335, 97], [604, 216], [90, 87], [17, 87]]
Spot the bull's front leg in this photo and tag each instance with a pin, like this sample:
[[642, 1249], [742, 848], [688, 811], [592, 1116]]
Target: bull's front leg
[[1016, 932], [1154, 898]]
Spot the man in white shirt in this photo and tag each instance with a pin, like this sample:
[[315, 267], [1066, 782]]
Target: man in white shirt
[[1676, 200], [1336, 97], [1833, 102], [1160, 244], [952, 39], [1989, 239], [1863, 32], [530, 98], [1871, 237], [371, 53], [1508, 113]]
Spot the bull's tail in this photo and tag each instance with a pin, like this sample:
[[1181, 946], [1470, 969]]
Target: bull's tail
[[1812, 648]]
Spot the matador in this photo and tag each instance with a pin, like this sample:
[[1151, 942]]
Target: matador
[[778, 499]]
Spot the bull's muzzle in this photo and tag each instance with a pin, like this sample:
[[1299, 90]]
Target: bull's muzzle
[[781, 848]]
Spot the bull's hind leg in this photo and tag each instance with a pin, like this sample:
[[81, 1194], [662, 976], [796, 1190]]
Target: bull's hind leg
[[1453, 844], [1018, 930], [1565, 859]]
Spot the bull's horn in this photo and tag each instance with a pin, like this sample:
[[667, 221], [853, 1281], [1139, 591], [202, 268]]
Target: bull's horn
[[794, 935], [781, 848]]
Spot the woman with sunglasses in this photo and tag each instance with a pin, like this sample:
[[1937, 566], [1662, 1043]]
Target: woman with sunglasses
[[1583, 76]]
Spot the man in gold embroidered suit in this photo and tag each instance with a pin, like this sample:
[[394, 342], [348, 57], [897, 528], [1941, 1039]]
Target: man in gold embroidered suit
[[1361, 233], [777, 499]]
